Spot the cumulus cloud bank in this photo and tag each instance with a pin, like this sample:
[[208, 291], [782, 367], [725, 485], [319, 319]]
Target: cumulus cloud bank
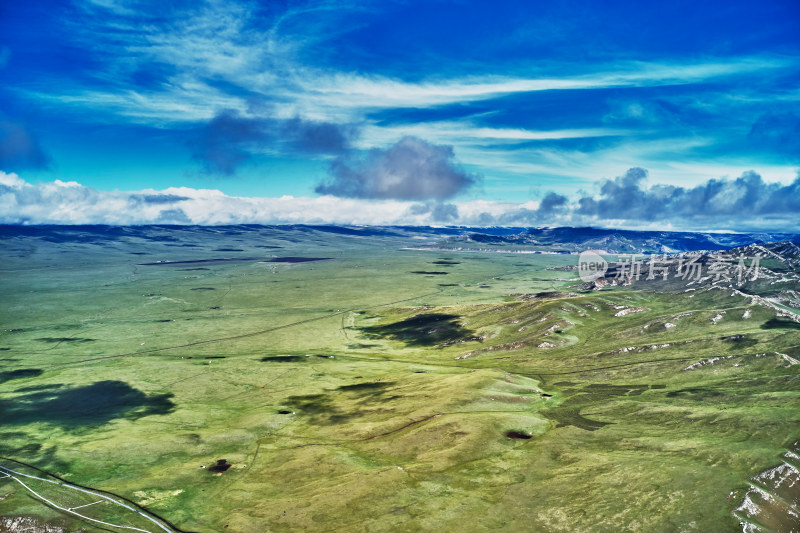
[[746, 203], [60, 202], [411, 169], [746, 197]]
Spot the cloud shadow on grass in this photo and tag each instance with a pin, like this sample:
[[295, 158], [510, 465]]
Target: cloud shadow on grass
[[422, 330], [8, 375], [73, 407], [778, 323]]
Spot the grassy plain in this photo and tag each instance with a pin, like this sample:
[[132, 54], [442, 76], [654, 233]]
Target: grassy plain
[[379, 389]]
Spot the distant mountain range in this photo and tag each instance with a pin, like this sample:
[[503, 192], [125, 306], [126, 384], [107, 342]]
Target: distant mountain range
[[552, 240], [570, 240]]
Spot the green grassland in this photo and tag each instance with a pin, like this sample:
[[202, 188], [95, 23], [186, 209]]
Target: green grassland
[[379, 389]]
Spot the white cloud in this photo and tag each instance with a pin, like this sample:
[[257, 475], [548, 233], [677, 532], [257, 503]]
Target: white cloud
[[12, 181], [232, 41], [214, 55], [328, 95], [355, 90], [61, 202], [465, 133]]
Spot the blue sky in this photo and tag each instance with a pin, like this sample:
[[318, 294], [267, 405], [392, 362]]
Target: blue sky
[[496, 103]]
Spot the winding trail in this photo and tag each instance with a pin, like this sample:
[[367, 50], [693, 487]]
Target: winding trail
[[71, 510], [105, 496], [241, 335]]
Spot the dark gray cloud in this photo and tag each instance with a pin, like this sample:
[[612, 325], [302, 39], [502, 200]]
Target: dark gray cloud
[[230, 139], [745, 197], [225, 142], [19, 148], [438, 211], [317, 137], [623, 194], [552, 202], [411, 169], [553, 207]]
